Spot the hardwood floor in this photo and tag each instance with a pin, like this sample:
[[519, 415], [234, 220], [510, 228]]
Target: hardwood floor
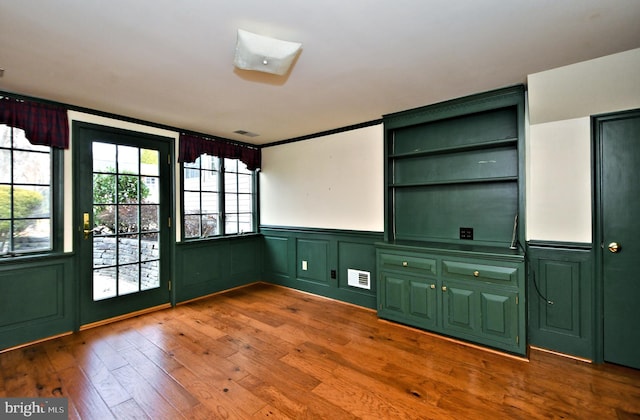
[[272, 352]]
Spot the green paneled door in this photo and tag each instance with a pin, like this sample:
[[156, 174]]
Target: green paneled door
[[619, 141]]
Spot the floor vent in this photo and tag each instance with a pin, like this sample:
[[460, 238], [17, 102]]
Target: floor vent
[[357, 278]]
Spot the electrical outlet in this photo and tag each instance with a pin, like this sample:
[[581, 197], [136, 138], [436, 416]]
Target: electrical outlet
[[304, 265], [333, 274], [466, 233]]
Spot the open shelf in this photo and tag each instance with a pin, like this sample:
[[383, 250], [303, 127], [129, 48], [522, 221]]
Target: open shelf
[[456, 149]]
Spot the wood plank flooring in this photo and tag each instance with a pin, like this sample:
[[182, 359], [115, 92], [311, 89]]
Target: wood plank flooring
[[269, 352]]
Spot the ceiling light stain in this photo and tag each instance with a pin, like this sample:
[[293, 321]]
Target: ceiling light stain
[[246, 133]]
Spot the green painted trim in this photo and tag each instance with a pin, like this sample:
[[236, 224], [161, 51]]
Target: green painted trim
[[498, 98], [324, 133], [327, 231]]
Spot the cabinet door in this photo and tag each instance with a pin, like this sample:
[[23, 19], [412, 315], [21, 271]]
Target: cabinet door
[[407, 299], [499, 315], [393, 294], [487, 315], [460, 307], [422, 302]]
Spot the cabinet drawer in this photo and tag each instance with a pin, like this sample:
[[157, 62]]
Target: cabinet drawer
[[409, 264], [507, 274]]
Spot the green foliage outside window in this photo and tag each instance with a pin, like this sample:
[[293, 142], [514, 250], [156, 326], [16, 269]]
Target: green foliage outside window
[[25, 202]]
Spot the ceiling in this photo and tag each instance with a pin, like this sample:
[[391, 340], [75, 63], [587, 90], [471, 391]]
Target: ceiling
[[171, 62]]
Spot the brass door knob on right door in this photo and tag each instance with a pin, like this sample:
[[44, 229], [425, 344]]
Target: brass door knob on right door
[[614, 247]]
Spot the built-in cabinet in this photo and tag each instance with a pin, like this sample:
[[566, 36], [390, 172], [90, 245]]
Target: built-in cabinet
[[476, 296], [452, 261]]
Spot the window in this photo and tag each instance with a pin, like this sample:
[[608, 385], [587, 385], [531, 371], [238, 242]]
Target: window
[[238, 197], [218, 198], [26, 194]]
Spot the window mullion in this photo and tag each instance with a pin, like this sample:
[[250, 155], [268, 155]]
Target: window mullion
[[222, 198]]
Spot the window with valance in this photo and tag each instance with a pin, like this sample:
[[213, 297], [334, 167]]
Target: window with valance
[[32, 135]]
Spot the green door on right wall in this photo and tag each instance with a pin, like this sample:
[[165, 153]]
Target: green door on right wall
[[618, 138]]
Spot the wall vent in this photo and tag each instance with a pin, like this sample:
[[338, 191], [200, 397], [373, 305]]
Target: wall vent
[[357, 278]]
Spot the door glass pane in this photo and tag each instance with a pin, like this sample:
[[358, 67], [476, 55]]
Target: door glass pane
[[128, 279], [150, 247], [104, 157], [128, 186], [104, 283], [150, 218], [150, 275], [104, 251], [150, 189], [149, 160], [104, 188], [128, 218], [128, 160], [128, 249], [104, 219]]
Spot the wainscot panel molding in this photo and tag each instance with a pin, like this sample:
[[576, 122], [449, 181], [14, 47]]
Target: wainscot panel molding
[[210, 266], [561, 298], [36, 299], [318, 261]]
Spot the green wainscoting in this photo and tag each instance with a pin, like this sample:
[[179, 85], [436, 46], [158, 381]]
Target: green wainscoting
[[210, 266], [561, 298], [36, 299], [327, 254]]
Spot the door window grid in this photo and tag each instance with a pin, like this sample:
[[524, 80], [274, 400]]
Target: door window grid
[[25, 194], [126, 220]]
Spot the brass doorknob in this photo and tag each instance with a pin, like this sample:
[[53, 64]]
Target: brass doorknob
[[444, 288], [476, 273], [614, 247]]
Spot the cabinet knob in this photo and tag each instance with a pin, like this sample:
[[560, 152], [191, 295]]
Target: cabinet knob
[[476, 273], [444, 288], [433, 286], [404, 263]]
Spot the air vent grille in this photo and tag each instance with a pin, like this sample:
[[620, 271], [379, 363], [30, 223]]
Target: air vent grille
[[358, 278]]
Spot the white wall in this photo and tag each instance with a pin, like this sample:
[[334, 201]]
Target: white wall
[[332, 182], [337, 181], [561, 102], [68, 171]]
